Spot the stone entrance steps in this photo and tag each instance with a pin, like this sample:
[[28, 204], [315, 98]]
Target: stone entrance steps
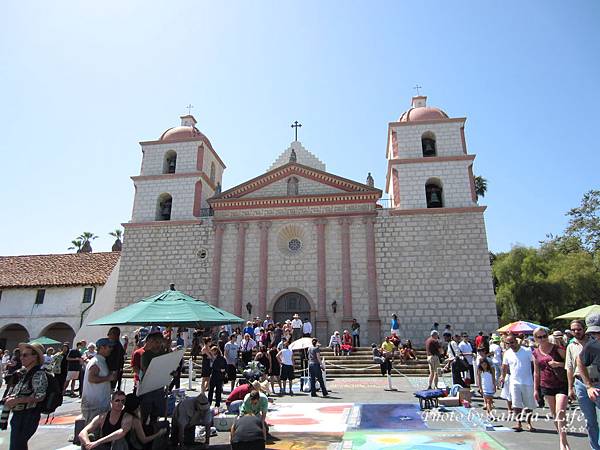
[[359, 363]]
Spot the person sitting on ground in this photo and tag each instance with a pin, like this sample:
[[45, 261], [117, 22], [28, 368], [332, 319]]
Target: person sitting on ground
[[109, 429], [137, 438], [335, 343], [248, 433], [346, 343], [190, 412], [236, 398]]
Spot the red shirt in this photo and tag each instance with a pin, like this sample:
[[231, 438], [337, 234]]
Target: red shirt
[[478, 341], [239, 393], [136, 363]]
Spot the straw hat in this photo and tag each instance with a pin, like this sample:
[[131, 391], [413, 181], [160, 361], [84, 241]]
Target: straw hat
[[36, 348]]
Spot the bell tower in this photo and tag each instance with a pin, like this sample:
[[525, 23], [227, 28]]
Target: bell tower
[[428, 164], [180, 171]]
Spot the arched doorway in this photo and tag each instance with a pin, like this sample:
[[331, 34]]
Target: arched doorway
[[59, 331], [11, 335], [289, 304]]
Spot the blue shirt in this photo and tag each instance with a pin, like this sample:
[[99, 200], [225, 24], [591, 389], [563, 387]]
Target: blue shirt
[[250, 331], [395, 325]]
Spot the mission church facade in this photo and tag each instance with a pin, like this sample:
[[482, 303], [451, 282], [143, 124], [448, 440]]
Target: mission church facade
[[299, 239]]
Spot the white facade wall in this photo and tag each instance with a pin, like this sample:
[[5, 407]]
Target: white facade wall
[[303, 157], [454, 177], [181, 190], [447, 135], [306, 186]]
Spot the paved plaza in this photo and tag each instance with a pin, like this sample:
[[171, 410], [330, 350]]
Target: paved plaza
[[360, 414]]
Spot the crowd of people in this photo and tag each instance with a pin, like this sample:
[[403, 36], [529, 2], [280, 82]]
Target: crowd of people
[[527, 371]]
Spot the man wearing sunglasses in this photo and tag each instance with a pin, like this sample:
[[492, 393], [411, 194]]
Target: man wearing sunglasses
[[588, 362], [518, 360], [109, 428]]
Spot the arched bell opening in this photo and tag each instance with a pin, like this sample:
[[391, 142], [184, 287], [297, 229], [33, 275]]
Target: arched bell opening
[[170, 162], [434, 193], [428, 144], [163, 207]]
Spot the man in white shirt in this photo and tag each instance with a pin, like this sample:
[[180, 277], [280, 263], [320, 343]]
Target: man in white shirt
[[296, 327], [96, 382], [519, 361], [306, 328], [466, 349]]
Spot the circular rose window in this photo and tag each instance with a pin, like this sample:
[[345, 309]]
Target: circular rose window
[[294, 245]]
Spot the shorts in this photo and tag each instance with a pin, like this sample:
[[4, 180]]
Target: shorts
[[554, 391], [396, 332], [72, 375], [231, 372], [434, 363], [489, 394], [522, 396], [287, 372]]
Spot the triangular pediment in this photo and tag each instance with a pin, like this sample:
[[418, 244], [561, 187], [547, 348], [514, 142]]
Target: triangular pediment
[[311, 182]]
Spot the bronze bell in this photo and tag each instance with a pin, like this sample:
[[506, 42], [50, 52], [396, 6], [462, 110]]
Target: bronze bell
[[435, 199]]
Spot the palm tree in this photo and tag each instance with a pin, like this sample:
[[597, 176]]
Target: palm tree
[[86, 241], [117, 234], [480, 186], [77, 244]]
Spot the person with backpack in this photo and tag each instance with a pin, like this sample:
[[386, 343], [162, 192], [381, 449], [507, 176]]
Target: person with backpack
[[25, 399]]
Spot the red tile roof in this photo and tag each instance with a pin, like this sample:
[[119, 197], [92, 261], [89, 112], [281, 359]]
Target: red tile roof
[[72, 269]]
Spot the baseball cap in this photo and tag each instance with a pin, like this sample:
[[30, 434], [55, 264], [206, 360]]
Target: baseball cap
[[105, 341], [434, 333]]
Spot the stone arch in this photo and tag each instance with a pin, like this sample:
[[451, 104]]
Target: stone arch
[[428, 144], [170, 162], [59, 331], [434, 193], [12, 334], [163, 206], [273, 304]]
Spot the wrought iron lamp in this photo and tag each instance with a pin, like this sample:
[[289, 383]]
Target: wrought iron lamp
[[249, 308], [334, 306]]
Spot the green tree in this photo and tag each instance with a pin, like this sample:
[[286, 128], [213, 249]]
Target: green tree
[[76, 245], [480, 186], [584, 221], [86, 239], [118, 244]]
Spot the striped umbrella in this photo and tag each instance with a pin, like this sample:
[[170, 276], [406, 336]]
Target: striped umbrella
[[518, 327]]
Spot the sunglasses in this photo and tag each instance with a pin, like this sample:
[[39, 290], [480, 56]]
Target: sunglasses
[[542, 336]]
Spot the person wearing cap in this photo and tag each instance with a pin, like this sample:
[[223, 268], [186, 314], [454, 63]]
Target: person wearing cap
[[116, 359], [153, 403], [296, 327], [24, 398], [96, 382], [190, 412], [434, 350]]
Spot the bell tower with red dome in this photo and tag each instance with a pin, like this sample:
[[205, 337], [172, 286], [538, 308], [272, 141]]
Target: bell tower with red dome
[[179, 172], [428, 164]]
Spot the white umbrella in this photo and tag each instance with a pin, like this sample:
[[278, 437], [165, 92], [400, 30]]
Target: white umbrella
[[300, 344]]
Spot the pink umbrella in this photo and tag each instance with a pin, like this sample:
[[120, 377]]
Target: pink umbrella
[[519, 327]]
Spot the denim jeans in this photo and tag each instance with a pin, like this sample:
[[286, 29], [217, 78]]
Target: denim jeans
[[316, 374], [590, 411], [23, 425]]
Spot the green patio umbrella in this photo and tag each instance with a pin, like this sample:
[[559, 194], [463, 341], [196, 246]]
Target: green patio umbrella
[[44, 341], [172, 308], [580, 313]]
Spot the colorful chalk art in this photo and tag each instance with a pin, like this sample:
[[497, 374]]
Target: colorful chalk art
[[349, 426]]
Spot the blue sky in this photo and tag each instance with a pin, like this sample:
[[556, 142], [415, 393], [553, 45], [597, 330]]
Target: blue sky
[[81, 83]]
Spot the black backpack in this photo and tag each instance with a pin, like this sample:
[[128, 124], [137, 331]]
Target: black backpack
[[54, 397]]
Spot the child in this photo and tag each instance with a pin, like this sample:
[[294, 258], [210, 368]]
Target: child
[[487, 385]]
